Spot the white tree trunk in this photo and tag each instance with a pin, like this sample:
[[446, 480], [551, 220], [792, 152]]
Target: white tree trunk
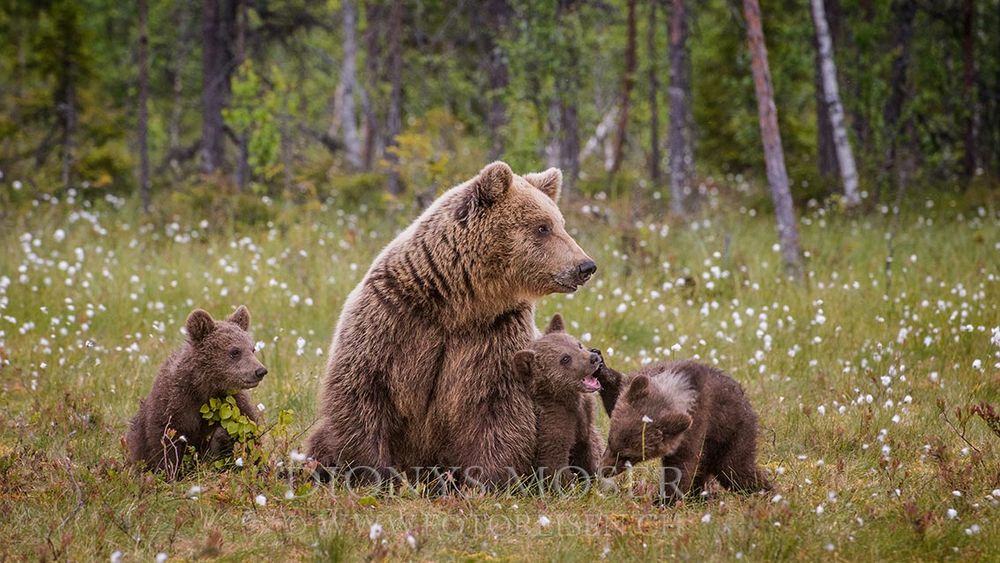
[[345, 114], [600, 133], [831, 95]]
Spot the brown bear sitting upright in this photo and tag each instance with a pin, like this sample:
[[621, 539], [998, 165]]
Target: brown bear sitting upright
[[694, 417], [216, 361], [562, 375], [420, 372]]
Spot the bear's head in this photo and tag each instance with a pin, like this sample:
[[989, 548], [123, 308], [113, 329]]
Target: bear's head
[[224, 352], [519, 233], [649, 421], [557, 364]]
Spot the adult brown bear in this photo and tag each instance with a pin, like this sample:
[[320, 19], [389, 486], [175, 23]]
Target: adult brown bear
[[420, 372]]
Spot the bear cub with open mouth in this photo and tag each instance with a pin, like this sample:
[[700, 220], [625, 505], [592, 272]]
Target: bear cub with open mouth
[[562, 375], [695, 418]]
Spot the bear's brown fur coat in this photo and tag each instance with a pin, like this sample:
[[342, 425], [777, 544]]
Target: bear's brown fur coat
[[694, 417], [561, 372], [419, 371], [217, 360]]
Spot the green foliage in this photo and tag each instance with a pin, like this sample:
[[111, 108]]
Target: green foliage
[[254, 112], [226, 413]]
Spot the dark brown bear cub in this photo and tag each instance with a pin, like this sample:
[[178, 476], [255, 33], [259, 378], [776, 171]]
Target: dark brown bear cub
[[694, 417], [217, 360], [562, 376]]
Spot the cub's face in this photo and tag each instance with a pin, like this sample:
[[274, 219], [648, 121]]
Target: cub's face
[[225, 351], [558, 364], [524, 230], [645, 425]]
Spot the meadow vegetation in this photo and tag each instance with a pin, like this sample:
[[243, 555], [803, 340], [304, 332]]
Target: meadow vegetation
[[869, 380]]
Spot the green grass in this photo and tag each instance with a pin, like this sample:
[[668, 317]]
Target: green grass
[[92, 300]]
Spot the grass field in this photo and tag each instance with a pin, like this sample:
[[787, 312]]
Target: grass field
[[856, 376]]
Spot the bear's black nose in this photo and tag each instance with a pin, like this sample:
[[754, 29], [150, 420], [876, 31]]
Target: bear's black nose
[[595, 358], [260, 373], [587, 269]]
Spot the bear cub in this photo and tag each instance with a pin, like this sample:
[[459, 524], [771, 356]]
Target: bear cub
[[695, 418], [561, 373], [217, 360]]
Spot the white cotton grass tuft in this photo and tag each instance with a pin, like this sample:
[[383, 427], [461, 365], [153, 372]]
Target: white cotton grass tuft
[[375, 531], [544, 521], [261, 500]]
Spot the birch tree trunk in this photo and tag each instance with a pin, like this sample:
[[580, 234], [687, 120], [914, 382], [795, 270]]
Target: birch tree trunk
[[143, 103], [348, 85], [968, 88], [679, 143], [774, 157], [654, 94], [394, 121], [831, 95]]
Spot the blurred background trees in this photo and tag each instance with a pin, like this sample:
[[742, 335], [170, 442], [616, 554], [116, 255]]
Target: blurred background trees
[[395, 100]]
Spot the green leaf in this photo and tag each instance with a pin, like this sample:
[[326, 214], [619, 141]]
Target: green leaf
[[368, 501], [205, 409], [225, 412], [214, 403]]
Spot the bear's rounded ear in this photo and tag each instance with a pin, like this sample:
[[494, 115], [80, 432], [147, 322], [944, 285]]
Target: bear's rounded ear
[[556, 324], [492, 183], [240, 317], [522, 363], [639, 388], [199, 325], [550, 182]]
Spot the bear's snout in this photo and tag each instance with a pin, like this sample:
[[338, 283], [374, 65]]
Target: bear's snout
[[585, 269], [261, 372], [595, 358]]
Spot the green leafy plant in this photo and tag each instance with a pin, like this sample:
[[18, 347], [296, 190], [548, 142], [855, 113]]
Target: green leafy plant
[[227, 414]]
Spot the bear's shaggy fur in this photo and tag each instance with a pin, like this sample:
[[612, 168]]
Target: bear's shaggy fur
[[217, 360], [419, 372], [561, 372], [694, 417]]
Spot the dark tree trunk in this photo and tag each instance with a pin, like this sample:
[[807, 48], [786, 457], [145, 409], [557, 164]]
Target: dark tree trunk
[[628, 83], [777, 177], [904, 12], [394, 121], [567, 127], [143, 103], [680, 146], [968, 87], [654, 94], [825, 148], [217, 19], [243, 160], [493, 19]]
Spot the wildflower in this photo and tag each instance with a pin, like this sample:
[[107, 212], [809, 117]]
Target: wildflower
[[161, 557], [297, 456], [375, 532], [706, 518], [411, 540], [544, 521], [116, 557], [261, 500], [239, 462], [194, 491], [951, 513], [646, 419]]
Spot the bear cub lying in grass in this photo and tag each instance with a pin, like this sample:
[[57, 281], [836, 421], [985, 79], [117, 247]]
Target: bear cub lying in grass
[[216, 361], [561, 373], [694, 417]]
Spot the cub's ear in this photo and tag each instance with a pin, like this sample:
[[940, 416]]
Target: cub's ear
[[492, 183], [199, 325], [556, 324], [675, 423], [550, 182], [522, 364], [240, 317], [639, 388]]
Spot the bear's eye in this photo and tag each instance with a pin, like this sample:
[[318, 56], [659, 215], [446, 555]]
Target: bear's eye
[[565, 360], [234, 353], [543, 229]]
